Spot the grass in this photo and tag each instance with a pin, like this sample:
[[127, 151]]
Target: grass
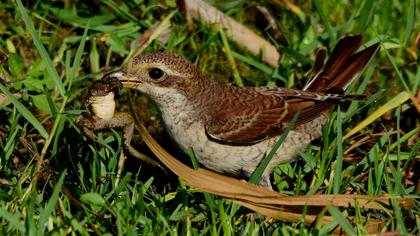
[[50, 51]]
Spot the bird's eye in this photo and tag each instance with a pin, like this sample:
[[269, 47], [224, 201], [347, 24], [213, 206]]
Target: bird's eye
[[155, 73]]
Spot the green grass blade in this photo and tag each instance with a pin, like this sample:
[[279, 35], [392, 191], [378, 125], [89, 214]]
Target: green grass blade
[[309, 159], [398, 188], [120, 10], [237, 78], [13, 219], [253, 62], [30, 221], [399, 75], [41, 49], [365, 15], [51, 103], [324, 20], [339, 161], [361, 90], [416, 82], [401, 227], [411, 16], [79, 53], [193, 158], [342, 221], [225, 221], [49, 208], [25, 112], [203, 47], [404, 138]]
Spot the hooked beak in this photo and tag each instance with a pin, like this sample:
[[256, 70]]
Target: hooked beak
[[127, 82]]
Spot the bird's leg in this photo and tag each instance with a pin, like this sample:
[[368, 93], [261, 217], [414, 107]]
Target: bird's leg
[[265, 181], [265, 178]]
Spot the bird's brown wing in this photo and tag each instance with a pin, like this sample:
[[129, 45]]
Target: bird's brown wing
[[255, 114]]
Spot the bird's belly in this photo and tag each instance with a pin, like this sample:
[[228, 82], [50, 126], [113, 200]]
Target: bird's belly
[[237, 159], [213, 155]]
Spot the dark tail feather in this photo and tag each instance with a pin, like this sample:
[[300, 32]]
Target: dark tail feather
[[319, 62], [342, 66], [336, 75]]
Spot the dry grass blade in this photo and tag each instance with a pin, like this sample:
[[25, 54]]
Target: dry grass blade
[[238, 33]]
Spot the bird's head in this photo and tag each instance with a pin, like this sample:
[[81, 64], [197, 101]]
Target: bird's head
[[159, 75]]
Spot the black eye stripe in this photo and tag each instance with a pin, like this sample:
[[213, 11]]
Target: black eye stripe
[[155, 73]]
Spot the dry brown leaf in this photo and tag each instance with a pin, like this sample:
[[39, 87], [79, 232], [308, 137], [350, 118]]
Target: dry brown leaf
[[237, 32]]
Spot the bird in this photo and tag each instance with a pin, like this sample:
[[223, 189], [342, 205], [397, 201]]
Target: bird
[[231, 129]]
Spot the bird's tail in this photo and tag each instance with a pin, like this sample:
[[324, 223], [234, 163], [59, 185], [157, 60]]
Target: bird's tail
[[342, 67], [336, 75]]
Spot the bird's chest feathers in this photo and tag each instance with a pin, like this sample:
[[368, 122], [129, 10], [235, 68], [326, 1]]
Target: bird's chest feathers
[[181, 120]]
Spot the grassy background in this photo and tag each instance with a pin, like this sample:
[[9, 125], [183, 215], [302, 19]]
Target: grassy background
[[50, 51]]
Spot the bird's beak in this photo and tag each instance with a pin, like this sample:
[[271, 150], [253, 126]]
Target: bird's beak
[[126, 81]]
